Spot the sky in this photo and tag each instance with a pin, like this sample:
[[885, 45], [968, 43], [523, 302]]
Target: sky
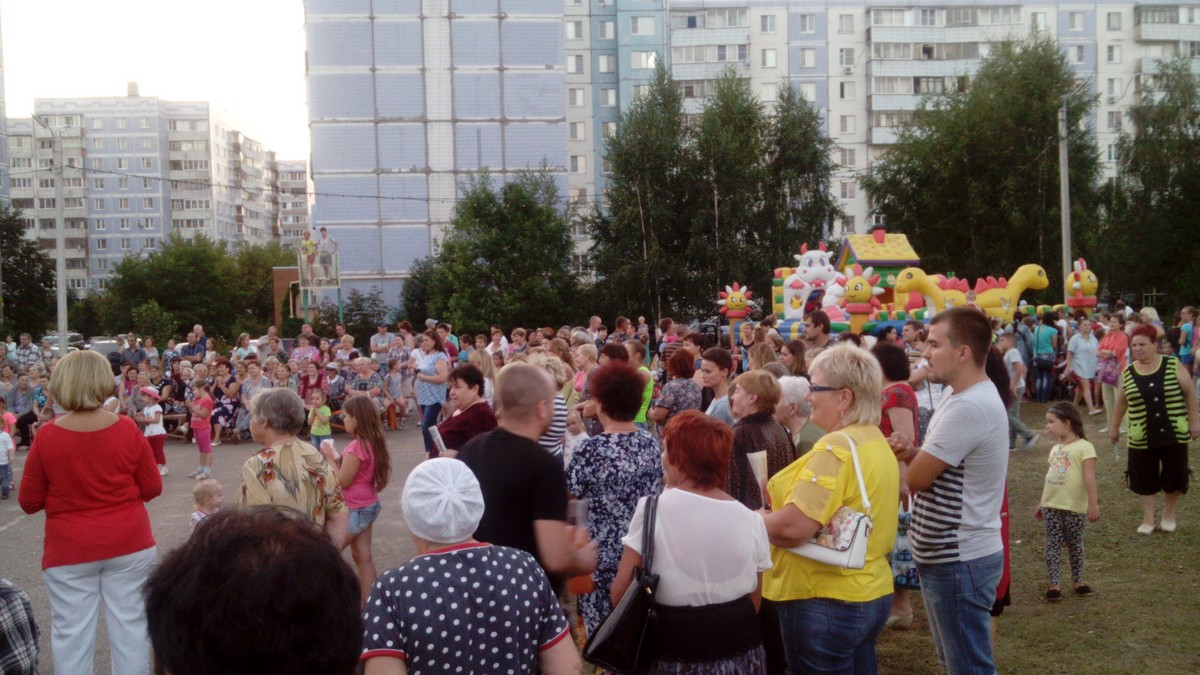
[[243, 57]]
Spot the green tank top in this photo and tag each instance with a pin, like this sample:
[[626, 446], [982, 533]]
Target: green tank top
[[647, 394]]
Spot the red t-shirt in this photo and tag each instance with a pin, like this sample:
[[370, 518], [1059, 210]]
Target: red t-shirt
[[93, 486], [899, 395]]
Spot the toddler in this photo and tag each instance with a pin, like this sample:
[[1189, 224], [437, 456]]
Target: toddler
[[6, 453], [1069, 497], [393, 395], [208, 496], [575, 436], [156, 433], [318, 417]]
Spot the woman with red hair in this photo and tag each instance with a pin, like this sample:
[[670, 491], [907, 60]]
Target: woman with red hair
[[709, 555]]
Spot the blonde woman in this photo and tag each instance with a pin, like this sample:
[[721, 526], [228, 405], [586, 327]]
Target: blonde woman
[[481, 360]]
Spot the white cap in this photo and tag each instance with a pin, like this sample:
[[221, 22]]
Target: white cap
[[442, 501]]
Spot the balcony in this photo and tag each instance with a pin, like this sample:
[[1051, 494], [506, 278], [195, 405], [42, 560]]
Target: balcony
[[687, 37], [708, 71], [946, 34], [894, 101], [1167, 32], [882, 135], [1149, 66], [914, 68]]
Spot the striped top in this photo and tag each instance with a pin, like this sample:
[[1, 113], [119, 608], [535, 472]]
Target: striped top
[[1158, 414]]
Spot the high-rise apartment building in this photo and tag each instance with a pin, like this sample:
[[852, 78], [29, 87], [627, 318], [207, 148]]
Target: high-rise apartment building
[[407, 98], [293, 199], [135, 169], [865, 65]]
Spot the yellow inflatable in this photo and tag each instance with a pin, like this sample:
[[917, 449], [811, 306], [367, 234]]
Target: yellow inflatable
[[996, 297]]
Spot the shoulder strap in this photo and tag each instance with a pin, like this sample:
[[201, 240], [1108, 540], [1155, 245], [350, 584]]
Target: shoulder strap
[[648, 519], [862, 487]]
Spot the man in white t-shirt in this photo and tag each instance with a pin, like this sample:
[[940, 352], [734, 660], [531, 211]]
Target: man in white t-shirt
[[381, 342], [958, 479], [1015, 366]]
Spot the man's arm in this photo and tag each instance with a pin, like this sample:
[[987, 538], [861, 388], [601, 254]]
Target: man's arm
[[559, 554], [923, 469]]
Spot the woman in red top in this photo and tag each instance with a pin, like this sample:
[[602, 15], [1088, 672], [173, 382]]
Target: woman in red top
[[899, 425], [92, 472], [1113, 353], [472, 414]]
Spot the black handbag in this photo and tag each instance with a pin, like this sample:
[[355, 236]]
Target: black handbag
[[626, 641]]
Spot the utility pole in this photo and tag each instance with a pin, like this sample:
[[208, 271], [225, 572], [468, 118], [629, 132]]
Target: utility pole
[[1064, 190], [60, 229]]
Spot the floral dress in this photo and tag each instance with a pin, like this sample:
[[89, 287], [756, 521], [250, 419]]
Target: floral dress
[[612, 471], [226, 406], [678, 395]]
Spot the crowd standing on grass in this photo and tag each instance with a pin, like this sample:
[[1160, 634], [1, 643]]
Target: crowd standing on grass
[[543, 448]]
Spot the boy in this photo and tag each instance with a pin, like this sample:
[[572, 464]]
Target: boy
[[1016, 378]]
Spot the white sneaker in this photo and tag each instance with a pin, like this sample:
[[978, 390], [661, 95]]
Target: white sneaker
[[1167, 525], [196, 473], [1103, 431], [1124, 430], [163, 470], [1145, 529], [216, 443]]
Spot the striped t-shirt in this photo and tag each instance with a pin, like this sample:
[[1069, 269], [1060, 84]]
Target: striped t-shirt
[[957, 518]]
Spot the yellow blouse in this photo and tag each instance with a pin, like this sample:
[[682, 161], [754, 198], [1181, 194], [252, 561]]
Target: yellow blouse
[[821, 482]]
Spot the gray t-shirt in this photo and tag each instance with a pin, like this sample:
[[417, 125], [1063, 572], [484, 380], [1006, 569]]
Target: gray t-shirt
[[719, 409], [957, 518], [384, 341], [1011, 358]]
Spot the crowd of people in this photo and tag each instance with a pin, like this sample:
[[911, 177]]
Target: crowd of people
[[543, 447]]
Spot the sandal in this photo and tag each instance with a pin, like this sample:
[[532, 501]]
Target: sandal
[[1054, 595], [1083, 590]]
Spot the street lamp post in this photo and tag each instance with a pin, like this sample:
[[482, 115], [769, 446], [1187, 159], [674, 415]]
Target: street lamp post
[[60, 243]]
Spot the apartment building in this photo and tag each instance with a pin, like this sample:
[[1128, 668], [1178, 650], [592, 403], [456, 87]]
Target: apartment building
[[408, 97], [134, 170], [294, 191]]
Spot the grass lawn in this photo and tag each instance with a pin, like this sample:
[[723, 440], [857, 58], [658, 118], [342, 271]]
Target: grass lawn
[[1145, 612]]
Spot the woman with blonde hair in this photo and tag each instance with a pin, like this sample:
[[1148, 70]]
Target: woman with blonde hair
[[552, 440], [761, 354], [483, 361], [98, 544], [846, 395], [754, 399]]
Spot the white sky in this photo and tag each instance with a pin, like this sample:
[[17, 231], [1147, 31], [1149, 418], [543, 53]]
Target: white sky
[[245, 57]]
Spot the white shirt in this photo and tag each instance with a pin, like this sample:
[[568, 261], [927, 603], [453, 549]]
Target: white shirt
[[706, 551], [154, 428], [6, 448]]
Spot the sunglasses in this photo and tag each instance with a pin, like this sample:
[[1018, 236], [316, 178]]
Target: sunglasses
[[814, 388]]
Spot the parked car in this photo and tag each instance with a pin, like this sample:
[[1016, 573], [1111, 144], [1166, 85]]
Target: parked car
[[74, 342], [103, 345]]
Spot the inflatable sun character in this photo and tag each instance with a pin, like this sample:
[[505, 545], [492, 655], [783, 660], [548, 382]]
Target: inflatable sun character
[[734, 301]]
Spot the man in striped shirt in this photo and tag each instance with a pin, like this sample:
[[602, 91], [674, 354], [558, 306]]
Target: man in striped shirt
[[958, 479]]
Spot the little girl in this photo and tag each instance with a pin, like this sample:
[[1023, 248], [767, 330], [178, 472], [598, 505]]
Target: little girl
[[1069, 496], [318, 417], [201, 406], [393, 395], [363, 471], [208, 496], [575, 436], [156, 433]]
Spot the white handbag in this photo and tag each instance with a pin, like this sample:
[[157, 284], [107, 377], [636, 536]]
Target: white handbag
[[842, 542]]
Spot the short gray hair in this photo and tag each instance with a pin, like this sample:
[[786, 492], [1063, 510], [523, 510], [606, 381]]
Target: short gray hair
[[280, 408], [795, 390]]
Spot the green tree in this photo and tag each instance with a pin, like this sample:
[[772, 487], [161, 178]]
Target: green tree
[[1153, 206], [253, 265], [414, 297], [150, 319], [506, 256], [973, 176], [362, 312], [28, 279]]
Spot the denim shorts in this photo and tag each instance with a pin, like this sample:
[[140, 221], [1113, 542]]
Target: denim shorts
[[361, 519]]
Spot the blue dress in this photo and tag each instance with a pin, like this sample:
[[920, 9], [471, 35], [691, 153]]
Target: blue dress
[[429, 393], [613, 471]]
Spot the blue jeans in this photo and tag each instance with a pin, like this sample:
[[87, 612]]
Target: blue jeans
[[5, 478], [361, 519], [821, 635], [958, 599], [429, 417], [1043, 383]]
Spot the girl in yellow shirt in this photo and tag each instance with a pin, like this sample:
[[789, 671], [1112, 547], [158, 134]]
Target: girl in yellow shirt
[[1068, 497]]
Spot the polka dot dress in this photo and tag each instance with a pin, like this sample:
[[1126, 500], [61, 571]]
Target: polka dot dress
[[468, 609]]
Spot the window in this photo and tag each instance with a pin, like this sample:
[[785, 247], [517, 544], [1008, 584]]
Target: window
[[644, 60], [927, 17], [46, 202], [808, 58], [695, 88], [846, 56], [122, 143], [102, 263], [574, 30], [148, 203], [578, 164], [124, 223], [575, 97], [770, 92], [640, 90], [123, 183], [992, 16], [930, 85], [147, 163], [769, 58], [847, 224], [146, 143], [97, 164], [575, 63], [21, 162], [607, 30], [848, 157], [845, 23], [125, 244], [97, 123], [608, 98], [961, 16], [1114, 53], [189, 165], [73, 202], [807, 23], [120, 122], [888, 119], [887, 17], [98, 204], [578, 131], [122, 163], [641, 25], [123, 204], [1114, 120], [143, 123], [1038, 19], [682, 20], [147, 183], [100, 225], [846, 91], [848, 190], [892, 50], [101, 284], [18, 183], [766, 24], [1075, 20], [727, 18], [101, 244], [1077, 54], [809, 91], [45, 183], [609, 129], [97, 143], [1114, 21], [608, 63], [846, 124], [1112, 152], [1114, 87]]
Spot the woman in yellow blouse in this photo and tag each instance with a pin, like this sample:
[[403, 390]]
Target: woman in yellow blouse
[[831, 616]]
